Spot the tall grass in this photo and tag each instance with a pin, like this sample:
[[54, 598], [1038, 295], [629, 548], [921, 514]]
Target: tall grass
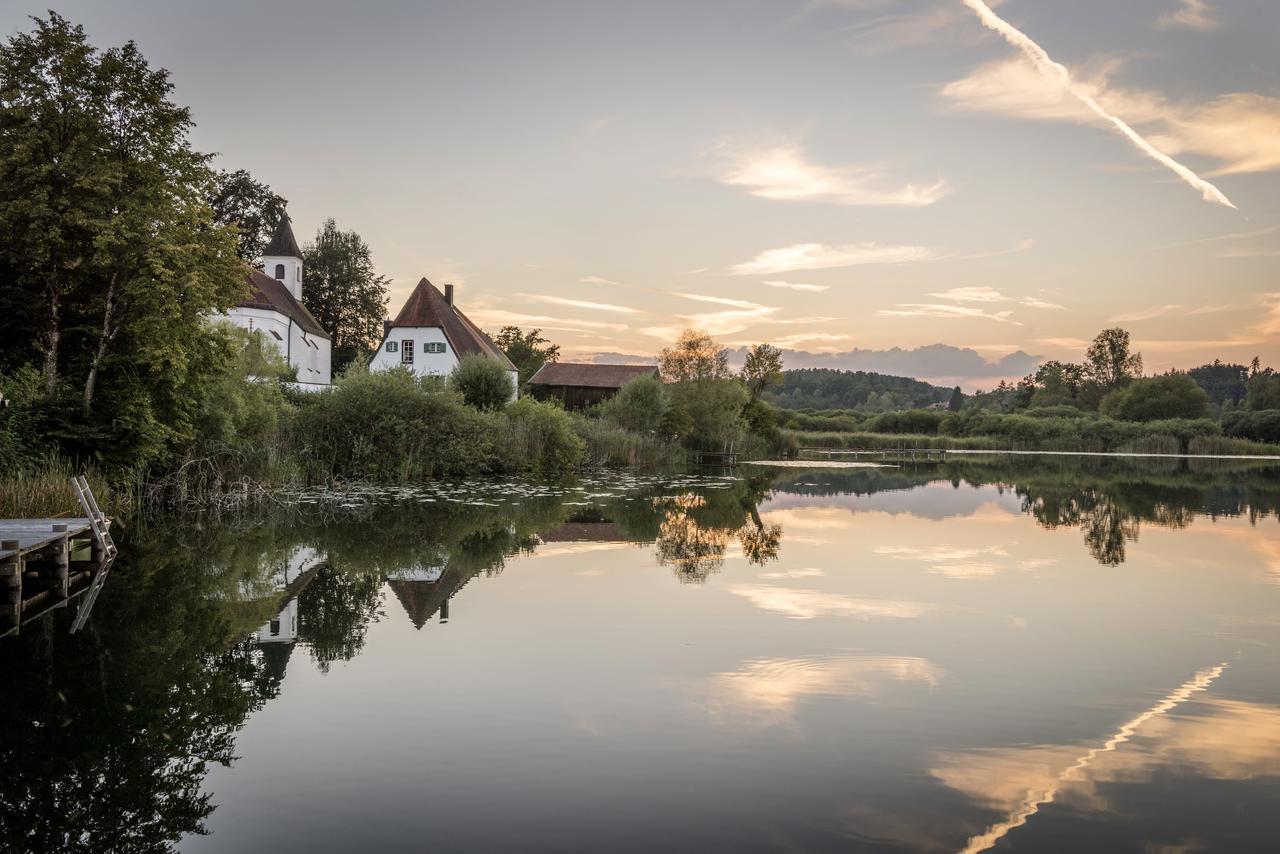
[[45, 491], [607, 444]]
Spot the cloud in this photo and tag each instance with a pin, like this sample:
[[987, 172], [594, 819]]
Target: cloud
[[930, 24], [596, 280], [1145, 314], [914, 309], [1192, 15], [982, 294], [784, 173], [576, 303], [797, 286], [790, 341], [1061, 77], [500, 317], [1240, 130], [1036, 302], [737, 317], [818, 256], [931, 361]]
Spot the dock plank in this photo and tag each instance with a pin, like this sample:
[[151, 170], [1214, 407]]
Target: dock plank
[[35, 534]]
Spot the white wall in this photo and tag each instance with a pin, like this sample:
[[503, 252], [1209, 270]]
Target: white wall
[[424, 364], [309, 354]]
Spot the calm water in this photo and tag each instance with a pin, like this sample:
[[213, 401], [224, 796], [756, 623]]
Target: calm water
[[1027, 655]]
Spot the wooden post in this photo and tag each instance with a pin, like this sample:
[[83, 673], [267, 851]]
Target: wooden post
[[11, 582]]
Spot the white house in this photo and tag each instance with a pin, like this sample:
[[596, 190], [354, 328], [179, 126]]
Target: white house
[[274, 309], [430, 335]]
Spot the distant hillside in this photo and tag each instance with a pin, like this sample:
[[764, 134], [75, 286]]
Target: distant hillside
[[825, 388]]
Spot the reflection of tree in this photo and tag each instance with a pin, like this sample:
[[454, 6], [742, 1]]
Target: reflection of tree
[[695, 530], [334, 612]]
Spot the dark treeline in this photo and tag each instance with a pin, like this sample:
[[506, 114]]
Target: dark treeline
[[861, 391]]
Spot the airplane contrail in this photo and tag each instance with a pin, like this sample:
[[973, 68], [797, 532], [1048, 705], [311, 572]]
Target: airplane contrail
[[985, 841], [1046, 65]]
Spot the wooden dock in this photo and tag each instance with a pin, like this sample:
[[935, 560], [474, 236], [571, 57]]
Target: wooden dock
[[44, 563], [931, 455]]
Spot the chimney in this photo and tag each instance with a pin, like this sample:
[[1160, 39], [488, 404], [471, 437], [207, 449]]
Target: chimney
[[448, 294]]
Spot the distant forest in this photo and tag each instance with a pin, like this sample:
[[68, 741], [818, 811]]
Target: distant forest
[[828, 388]]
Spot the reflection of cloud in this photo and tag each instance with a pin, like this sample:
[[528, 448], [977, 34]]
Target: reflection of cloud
[[951, 561], [806, 604], [766, 691], [1038, 785], [812, 572]]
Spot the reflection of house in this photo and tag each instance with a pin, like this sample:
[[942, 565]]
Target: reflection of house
[[430, 335], [422, 595], [285, 583], [581, 385], [283, 628]]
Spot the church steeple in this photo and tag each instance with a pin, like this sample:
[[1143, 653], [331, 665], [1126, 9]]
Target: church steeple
[[282, 259]]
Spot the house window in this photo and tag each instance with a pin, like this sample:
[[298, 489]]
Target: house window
[[406, 352], [433, 347], [393, 346], [280, 272]]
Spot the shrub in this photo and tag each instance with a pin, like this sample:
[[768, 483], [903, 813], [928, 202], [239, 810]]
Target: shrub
[[543, 437], [611, 445], [920, 421], [482, 382], [639, 406], [1261, 425], [707, 414], [1152, 398]]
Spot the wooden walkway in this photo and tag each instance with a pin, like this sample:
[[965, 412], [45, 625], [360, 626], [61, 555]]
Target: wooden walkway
[[913, 454], [46, 562]]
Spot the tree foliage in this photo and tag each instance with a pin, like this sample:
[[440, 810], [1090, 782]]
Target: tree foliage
[[828, 388], [482, 382], [639, 406], [1110, 361], [762, 369], [344, 292], [250, 206], [694, 356], [1153, 398], [528, 351]]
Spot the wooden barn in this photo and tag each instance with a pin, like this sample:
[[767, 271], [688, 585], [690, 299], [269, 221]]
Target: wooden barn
[[578, 386]]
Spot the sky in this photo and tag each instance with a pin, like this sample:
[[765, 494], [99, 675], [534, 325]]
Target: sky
[[953, 189]]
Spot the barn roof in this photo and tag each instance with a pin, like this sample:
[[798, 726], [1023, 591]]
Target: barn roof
[[589, 375], [427, 307], [282, 242], [273, 295]]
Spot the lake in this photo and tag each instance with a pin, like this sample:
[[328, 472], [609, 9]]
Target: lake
[[1029, 654]]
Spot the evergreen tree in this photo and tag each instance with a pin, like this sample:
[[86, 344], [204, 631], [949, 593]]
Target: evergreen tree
[[956, 401]]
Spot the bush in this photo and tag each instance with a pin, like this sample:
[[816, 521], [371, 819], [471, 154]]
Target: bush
[[1153, 398], [611, 445], [1262, 425], [542, 437], [639, 406], [919, 421], [482, 382], [707, 414]]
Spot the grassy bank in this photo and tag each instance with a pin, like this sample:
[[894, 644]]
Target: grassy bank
[[1154, 443]]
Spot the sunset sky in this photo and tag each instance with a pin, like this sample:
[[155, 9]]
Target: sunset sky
[[828, 176]]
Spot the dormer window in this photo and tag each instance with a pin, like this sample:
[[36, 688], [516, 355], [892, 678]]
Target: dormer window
[[280, 272]]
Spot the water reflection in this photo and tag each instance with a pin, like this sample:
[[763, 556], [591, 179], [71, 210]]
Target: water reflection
[[804, 623]]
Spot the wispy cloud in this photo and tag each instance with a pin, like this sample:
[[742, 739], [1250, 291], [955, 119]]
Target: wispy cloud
[[809, 340], [950, 311], [991, 295], [1145, 314], [796, 286], [578, 303], [1036, 302], [934, 25], [597, 280], [783, 172], [501, 317], [818, 256], [1192, 15], [1061, 77]]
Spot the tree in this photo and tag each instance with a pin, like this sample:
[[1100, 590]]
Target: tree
[[639, 406], [252, 207], [344, 292], [694, 356], [762, 369], [482, 382], [1171, 395], [104, 221], [528, 351], [956, 401], [1109, 361]]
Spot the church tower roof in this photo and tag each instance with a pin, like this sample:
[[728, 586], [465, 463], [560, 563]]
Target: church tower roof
[[283, 244]]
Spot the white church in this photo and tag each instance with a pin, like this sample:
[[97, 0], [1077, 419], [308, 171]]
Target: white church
[[274, 309], [430, 335]]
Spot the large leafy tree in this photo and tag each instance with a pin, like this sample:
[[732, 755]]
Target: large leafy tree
[[528, 351], [249, 205], [1110, 361], [344, 292], [762, 369], [694, 356], [105, 226]]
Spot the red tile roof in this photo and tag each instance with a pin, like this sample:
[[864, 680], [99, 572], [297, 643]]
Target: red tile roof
[[589, 375], [427, 307], [273, 295]]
